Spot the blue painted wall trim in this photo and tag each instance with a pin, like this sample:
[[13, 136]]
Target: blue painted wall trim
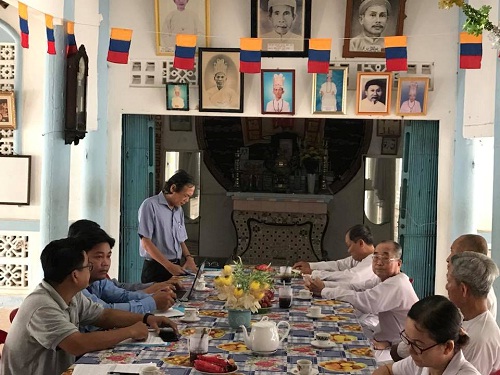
[[12, 36], [20, 225]]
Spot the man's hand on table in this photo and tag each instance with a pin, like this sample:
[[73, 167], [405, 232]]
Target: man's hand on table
[[138, 331], [164, 299], [175, 269], [314, 285], [190, 264], [156, 322], [171, 284], [303, 267]]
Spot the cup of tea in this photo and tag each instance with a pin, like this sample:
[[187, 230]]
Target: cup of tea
[[149, 370], [200, 285], [285, 294], [315, 311], [198, 344], [190, 313], [304, 366], [305, 293], [322, 338]]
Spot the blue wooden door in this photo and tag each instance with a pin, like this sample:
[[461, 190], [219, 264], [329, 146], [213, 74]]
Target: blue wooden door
[[137, 183], [418, 208]]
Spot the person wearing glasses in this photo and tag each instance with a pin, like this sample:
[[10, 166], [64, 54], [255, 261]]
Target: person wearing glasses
[[433, 331], [356, 267], [104, 291], [390, 296], [44, 338]]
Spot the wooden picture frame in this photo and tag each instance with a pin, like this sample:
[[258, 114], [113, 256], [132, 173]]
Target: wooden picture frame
[[220, 82], [295, 42], [180, 124], [412, 96], [357, 41], [330, 91], [391, 128], [177, 96], [373, 93], [389, 146], [17, 186], [272, 79], [195, 21], [7, 110]]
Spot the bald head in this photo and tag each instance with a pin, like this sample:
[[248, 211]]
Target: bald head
[[468, 242]]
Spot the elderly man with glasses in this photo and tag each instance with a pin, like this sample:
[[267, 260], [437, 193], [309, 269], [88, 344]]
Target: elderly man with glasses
[[390, 296]]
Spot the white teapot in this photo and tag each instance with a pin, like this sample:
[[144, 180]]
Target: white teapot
[[264, 336]]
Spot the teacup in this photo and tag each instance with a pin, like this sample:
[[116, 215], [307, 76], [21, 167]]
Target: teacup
[[322, 338], [190, 313], [200, 285], [149, 370], [315, 311], [304, 366], [304, 293]]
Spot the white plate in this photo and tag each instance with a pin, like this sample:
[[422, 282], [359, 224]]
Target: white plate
[[314, 371], [315, 316], [319, 344], [264, 353], [304, 298], [197, 319]]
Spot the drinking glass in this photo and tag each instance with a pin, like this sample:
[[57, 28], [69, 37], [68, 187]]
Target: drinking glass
[[285, 297]]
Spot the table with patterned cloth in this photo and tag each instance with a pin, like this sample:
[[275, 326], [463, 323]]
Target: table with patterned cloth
[[350, 351]]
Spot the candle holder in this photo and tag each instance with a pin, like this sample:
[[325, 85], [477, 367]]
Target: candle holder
[[323, 186]]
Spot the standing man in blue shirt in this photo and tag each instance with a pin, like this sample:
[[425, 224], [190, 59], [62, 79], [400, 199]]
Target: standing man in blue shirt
[[162, 230]]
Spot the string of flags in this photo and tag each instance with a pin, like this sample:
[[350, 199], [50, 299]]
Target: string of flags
[[250, 48]]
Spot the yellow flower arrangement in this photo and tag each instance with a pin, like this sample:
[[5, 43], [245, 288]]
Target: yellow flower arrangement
[[243, 288]]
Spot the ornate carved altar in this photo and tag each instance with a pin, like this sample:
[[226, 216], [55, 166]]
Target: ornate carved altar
[[279, 228]]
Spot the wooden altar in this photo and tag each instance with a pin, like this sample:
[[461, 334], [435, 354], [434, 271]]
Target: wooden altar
[[279, 228]]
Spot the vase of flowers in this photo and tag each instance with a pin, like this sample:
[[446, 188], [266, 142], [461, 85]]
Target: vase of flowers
[[242, 288], [311, 156]]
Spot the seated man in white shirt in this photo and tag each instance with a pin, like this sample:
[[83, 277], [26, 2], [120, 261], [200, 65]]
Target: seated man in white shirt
[[355, 268], [390, 296], [470, 277]]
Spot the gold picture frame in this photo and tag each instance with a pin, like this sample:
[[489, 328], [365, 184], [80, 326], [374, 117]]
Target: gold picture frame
[[412, 96], [329, 96], [373, 93], [196, 21], [7, 110]]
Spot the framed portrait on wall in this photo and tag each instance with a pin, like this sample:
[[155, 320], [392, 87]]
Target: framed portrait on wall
[[389, 146], [7, 110], [367, 22], [178, 96], [278, 91], [412, 96], [283, 25], [180, 17], [373, 93], [329, 91], [220, 82]]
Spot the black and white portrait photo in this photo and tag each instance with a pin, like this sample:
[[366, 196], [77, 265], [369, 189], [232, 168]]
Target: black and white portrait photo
[[220, 81], [368, 22], [283, 25], [180, 17]]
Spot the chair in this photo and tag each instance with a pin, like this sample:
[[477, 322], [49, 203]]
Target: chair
[[3, 337], [13, 314]]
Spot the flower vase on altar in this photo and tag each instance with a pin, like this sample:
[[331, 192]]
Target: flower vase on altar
[[311, 182]]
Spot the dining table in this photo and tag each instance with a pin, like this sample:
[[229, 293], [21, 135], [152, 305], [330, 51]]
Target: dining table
[[348, 350]]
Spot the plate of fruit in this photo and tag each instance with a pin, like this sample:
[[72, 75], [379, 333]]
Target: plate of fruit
[[215, 364], [266, 302]]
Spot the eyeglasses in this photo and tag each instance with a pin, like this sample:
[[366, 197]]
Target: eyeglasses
[[383, 259], [90, 266], [415, 347]]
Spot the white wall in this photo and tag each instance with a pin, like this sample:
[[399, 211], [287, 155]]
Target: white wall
[[432, 36]]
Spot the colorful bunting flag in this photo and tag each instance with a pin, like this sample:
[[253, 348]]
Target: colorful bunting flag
[[119, 45], [185, 47], [23, 24], [471, 51], [396, 55], [250, 55], [51, 41], [319, 55], [71, 47]]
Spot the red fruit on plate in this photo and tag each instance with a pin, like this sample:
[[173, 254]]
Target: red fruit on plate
[[263, 267]]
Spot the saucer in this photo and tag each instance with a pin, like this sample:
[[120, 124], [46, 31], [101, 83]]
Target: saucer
[[314, 371], [319, 344], [206, 289], [264, 353], [197, 319], [315, 316], [307, 298]]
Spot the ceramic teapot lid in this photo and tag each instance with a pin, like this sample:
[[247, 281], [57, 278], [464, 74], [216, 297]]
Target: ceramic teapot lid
[[265, 322]]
